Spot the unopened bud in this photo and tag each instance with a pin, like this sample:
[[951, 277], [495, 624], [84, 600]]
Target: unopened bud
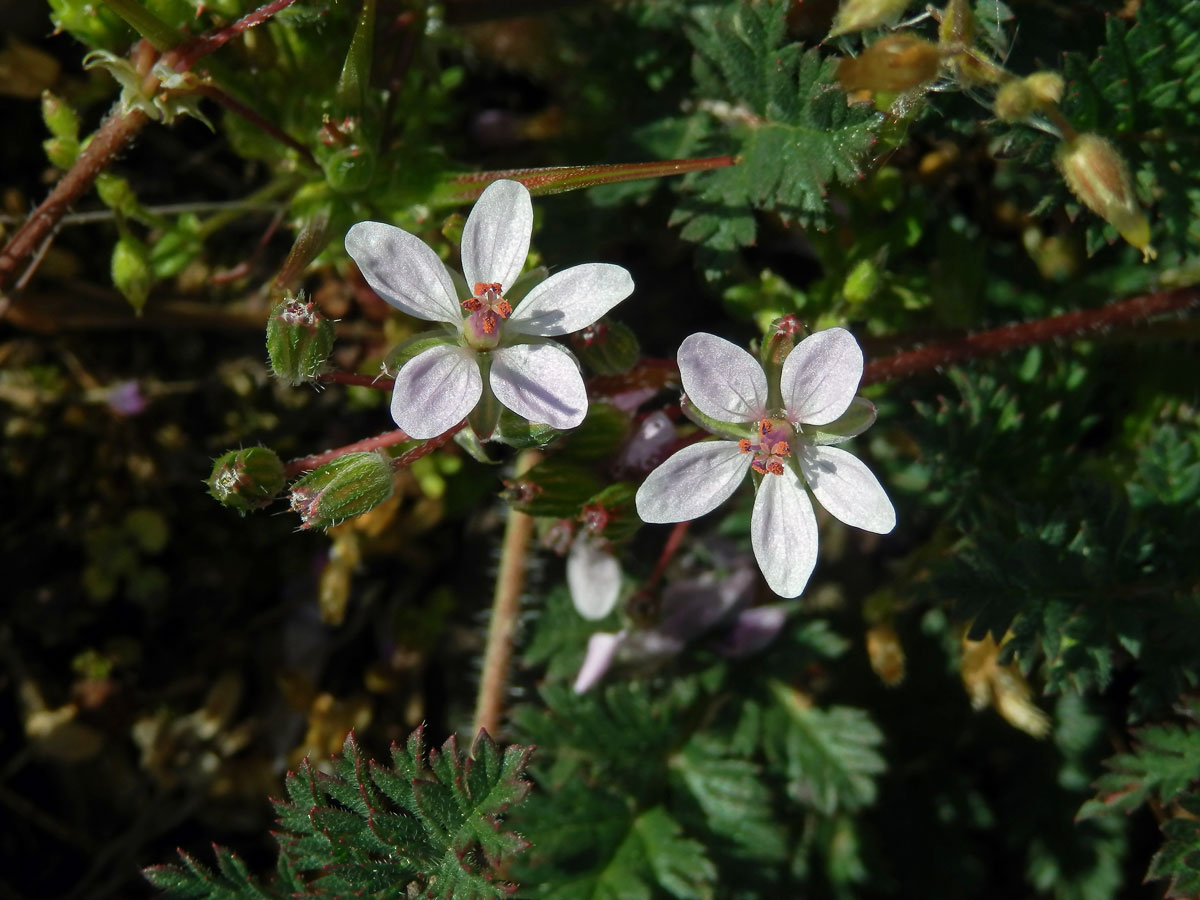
[[957, 28], [1047, 87], [60, 117], [347, 487], [1014, 101], [131, 271], [886, 654], [858, 15], [1099, 177], [117, 194], [862, 282], [606, 347], [896, 63], [246, 479], [299, 340], [62, 152]]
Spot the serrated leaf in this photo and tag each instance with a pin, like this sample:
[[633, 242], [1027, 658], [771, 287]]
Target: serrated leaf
[[1165, 762], [830, 756], [793, 133], [679, 864]]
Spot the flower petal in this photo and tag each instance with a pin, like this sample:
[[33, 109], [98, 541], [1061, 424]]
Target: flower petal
[[540, 382], [402, 270], [783, 532], [820, 376], [694, 481], [602, 647], [435, 390], [570, 300], [495, 239], [594, 577], [845, 486], [721, 379]]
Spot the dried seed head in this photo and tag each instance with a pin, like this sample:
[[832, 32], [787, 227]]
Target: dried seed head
[[1098, 175], [857, 15], [897, 63]]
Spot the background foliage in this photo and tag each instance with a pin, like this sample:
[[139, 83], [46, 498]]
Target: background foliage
[[998, 699]]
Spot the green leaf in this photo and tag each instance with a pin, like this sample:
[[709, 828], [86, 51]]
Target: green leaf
[[678, 863], [1164, 764], [1179, 858], [831, 756], [794, 134]]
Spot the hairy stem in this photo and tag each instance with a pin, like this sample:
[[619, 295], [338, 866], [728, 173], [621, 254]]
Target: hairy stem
[[113, 136], [506, 607], [305, 463], [1025, 334]]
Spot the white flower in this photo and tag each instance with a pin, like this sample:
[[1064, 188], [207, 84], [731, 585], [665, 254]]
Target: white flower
[[534, 377], [786, 433], [593, 576]]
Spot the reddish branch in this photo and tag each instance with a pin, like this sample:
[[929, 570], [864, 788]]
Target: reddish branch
[[387, 439], [190, 52], [113, 135], [110, 139], [1012, 337]]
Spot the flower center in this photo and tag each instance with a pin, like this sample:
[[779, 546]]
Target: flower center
[[770, 447], [488, 309]]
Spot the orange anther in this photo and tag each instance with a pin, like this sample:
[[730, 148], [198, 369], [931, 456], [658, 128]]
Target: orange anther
[[744, 445]]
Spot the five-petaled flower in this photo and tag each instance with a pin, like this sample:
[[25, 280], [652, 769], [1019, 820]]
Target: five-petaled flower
[[782, 436], [491, 346]]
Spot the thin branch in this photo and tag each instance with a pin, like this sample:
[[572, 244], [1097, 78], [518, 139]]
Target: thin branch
[[506, 609], [212, 92], [1026, 334], [109, 140], [93, 216], [306, 463], [187, 54]]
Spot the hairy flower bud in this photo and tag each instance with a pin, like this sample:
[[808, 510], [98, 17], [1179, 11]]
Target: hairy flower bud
[[299, 340], [896, 63], [1014, 101], [246, 479], [347, 487], [1099, 177], [858, 15], [131, 271], [606, 347], [60, 117], [1047, 87]]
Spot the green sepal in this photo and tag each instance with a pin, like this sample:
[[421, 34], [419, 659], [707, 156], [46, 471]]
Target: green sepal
[[554, 488], [519, 432], [347, 487], [418, 344], [600, 436], [607, 347], [179, 245], [732, 430], [854, 421], [299, 340], [469, 441], [486, 414], [246, 479]]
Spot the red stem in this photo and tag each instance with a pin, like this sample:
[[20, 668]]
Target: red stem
[[235, 106], [407, 459], [306, 463], [1025, 334], [187, 54], [674, 539], [113, 135]]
